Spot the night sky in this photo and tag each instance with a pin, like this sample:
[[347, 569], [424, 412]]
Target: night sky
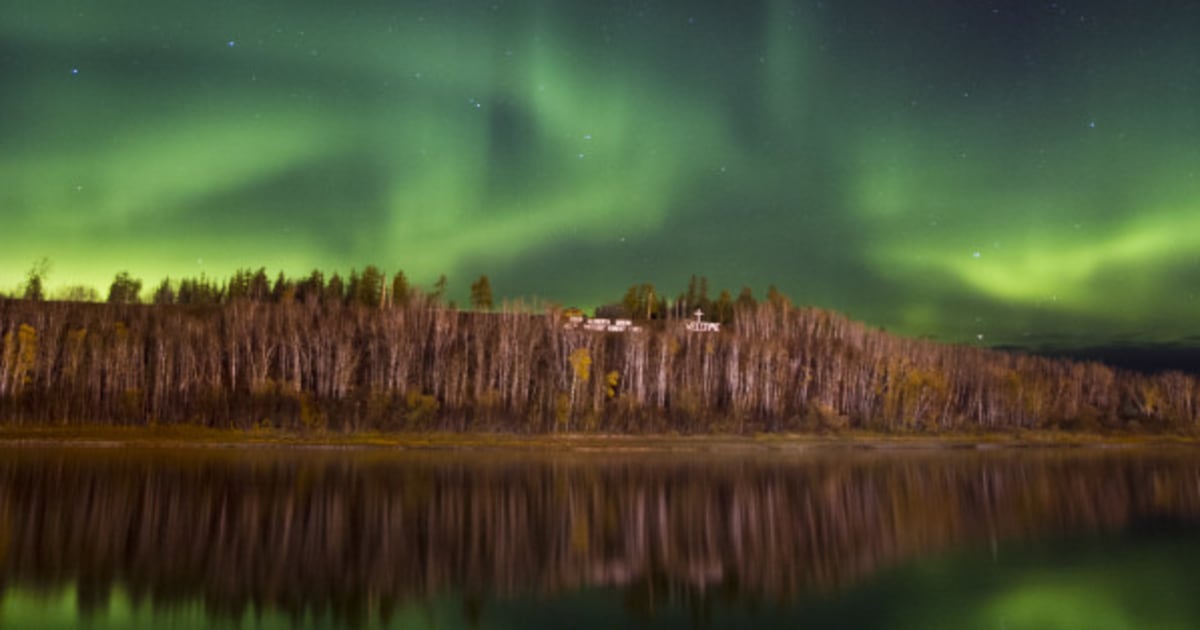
[[1020, 171]]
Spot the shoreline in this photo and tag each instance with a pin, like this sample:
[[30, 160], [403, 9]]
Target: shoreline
[[104, 437]]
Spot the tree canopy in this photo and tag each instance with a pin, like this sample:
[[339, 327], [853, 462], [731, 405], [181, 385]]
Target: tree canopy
[[125, 289]]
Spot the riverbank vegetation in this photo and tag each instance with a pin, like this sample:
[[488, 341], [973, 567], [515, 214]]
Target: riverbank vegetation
[[375, 354]]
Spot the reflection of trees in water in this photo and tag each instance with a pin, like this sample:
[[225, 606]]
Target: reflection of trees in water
[[354, 534]]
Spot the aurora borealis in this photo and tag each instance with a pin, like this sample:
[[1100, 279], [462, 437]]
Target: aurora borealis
[[985, 170]]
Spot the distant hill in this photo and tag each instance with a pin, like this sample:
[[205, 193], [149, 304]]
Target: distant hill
[[1146, 359]]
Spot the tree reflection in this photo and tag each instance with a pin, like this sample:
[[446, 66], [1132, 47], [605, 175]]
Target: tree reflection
[[350, 535]]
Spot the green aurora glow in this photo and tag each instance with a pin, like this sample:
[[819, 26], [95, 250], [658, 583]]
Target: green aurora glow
[[955, 169]]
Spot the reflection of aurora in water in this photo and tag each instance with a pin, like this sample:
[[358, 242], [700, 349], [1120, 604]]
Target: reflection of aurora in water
[[937, 168], [361, 536]]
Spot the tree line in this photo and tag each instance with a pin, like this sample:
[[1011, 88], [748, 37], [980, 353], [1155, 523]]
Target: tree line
[[645, 301], [366, 353], [370, 287]]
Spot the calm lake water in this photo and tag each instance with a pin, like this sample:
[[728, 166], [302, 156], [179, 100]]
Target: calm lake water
[[107, 538]]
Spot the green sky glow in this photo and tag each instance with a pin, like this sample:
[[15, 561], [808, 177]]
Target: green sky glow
[[978, 169]]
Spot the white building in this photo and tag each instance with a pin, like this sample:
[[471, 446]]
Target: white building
[[601, 324]]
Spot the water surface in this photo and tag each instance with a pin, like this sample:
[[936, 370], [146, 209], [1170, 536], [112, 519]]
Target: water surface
[[1054, 538]]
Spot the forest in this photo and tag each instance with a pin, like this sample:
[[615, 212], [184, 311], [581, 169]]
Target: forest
[[372, 353]]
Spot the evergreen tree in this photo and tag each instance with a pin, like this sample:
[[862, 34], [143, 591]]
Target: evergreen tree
[[125, 289], [370, 287], [335, 291], [312, 288], [35, 279], [240, 285], [723, 307], [631, 302], [439, 289], [284, 290], [164, 294], [187, 291], [642, 301], [400, 289], [745, 298], [260, 287], [481, 294], [353, 287], [199, 291]]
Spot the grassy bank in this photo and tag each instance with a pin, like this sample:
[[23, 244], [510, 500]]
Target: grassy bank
[[174, 436]]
